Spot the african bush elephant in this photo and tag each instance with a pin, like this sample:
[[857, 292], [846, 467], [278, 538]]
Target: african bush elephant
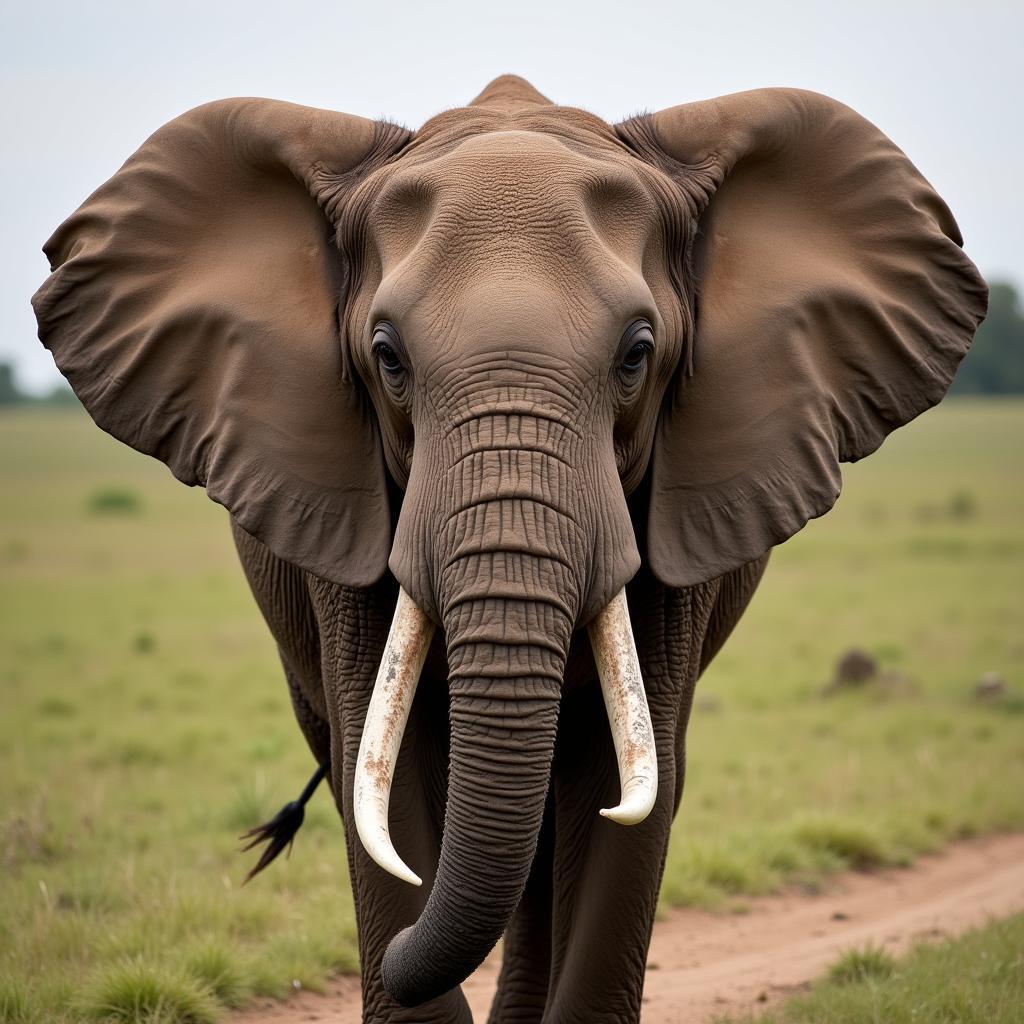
[[535, 365]]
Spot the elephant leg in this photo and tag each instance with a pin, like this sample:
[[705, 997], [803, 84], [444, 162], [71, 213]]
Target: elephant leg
[[522, 989], [314, 727], [607, 876], [354, 624], [282, 596]]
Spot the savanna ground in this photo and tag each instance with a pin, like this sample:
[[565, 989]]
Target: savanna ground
[[976, 979], [145, 723]]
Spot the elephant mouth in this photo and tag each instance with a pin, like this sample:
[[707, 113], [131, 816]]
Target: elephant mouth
[[618, 666]]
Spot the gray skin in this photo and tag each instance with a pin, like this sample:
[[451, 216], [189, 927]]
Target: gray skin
[[576, 946], [512, 362]]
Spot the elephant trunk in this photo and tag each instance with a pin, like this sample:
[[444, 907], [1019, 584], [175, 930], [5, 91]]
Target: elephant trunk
[[513, 531], [506, 663]]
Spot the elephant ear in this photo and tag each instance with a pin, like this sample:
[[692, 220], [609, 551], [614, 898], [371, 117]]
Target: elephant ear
[[833, 304], [193, 306]]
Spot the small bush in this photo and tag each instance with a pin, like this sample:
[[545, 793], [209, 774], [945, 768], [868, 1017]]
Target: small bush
[[962, 505], [852, 843], [217, 969], [869, 964], [139, 993], [14, 1004], [56, 707], [144, 643], [119, 501]]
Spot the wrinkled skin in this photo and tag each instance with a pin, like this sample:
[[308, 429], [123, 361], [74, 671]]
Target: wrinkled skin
[[576, 946], [456, 352]]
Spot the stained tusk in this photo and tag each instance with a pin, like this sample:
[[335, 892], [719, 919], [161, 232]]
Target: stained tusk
[[399, 672], [625, 699]]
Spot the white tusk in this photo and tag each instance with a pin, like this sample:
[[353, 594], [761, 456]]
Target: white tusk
[[625, 699], [399, 672]]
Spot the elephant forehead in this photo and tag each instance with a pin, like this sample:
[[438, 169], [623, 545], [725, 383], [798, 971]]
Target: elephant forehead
[[486, 306], [517, 197]]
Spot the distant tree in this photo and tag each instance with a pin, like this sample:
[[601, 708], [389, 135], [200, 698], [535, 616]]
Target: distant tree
[[10, 394], [60, 395], [995, 364]]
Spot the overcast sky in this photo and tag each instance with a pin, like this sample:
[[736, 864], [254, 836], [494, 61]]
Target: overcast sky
[[83, 83]]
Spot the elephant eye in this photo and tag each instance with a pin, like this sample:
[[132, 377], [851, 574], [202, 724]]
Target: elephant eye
[[388, 358], [636, 357], [384, 340], [640, 339]]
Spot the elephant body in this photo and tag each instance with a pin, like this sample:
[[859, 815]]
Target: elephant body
[[576, 948], [472, 393]]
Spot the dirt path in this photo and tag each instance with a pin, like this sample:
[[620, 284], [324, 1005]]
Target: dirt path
[[702, 964]]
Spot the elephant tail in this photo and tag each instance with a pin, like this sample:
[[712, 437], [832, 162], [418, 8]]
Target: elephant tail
[[279, 832]]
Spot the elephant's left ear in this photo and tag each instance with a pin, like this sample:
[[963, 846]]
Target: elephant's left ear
[[193, 306], [834, 303]]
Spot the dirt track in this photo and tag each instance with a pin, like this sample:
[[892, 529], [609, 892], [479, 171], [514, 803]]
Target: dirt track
[[702, 964]]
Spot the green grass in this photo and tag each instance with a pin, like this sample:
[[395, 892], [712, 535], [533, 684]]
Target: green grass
[[922, 564], [975, 979], [137, 991], [871, 964], [146, 723], [115, 501]]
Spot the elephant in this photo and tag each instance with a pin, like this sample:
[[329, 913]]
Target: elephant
[[507, 413]]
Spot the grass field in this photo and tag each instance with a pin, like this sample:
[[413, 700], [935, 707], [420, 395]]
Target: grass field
[[145, 723], [975, 979]]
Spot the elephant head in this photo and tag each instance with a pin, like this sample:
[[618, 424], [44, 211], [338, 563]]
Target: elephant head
[[507, 322]]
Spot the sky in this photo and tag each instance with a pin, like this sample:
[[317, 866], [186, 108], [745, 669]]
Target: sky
[[83, 84]]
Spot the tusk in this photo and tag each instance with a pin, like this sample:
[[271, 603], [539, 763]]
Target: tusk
[[625, 699], [399, 672]]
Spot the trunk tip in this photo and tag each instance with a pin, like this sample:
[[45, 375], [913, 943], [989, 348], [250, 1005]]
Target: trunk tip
[[407, 982]]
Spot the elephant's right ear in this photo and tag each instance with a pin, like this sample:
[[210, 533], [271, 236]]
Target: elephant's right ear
[[193, 306]]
